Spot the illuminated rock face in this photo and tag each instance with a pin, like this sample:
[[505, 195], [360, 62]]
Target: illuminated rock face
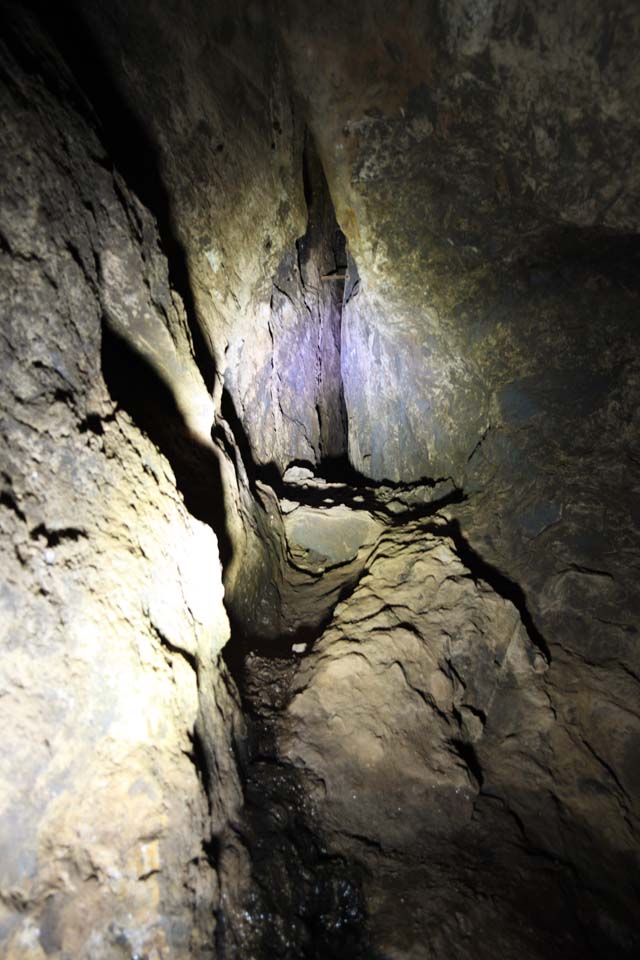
[[475, 159], [291, 400], [113, 705], [417, 773], [424, 698]]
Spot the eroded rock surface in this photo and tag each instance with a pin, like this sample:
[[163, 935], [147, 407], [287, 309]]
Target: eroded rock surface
[[116, 766], [444, 749], [426, 734]]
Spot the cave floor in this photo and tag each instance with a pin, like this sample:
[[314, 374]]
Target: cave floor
[[397, 775]]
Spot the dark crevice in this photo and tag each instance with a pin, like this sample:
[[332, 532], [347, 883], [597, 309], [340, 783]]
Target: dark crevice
[[92, 423], [77, 259], [60, 395], [479, 443], [307, 181], [477, 712], [137, 388], [587, 571], [310, 902], [8, 500], [175, 649], [498, 581], [360, 493], [54, 538], [199, 757], [467, 753], [279, 648], [265, 473], [200, 760], [198, 753], [322, 253], [339, 469]]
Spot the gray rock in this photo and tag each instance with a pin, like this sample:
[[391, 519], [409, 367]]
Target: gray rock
[[319, 539]]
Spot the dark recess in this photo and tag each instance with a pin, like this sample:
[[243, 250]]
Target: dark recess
[[323, 248], [503, 585], [310, 902], [266, 472], [137, 388]]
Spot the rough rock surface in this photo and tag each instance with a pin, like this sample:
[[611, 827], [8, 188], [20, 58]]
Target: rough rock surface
[[479, 157], [482, 675], [424, 728], [207, 100], [321, 539], [462, 142], [289, 394], [195, 103], [116, 767]]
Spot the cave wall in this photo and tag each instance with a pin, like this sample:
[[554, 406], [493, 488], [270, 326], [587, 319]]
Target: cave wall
[[208, 95], [197, 104], [479, 159], [117, 769], [457, 138]]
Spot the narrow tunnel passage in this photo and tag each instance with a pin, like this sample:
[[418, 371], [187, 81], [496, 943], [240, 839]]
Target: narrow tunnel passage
[[286, 400], [322, 260], [319, 623]]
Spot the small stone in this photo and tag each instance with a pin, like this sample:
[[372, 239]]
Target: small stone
[[297, 475]]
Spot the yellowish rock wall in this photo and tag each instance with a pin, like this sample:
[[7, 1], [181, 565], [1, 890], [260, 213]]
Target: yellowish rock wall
[[111, 604]]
